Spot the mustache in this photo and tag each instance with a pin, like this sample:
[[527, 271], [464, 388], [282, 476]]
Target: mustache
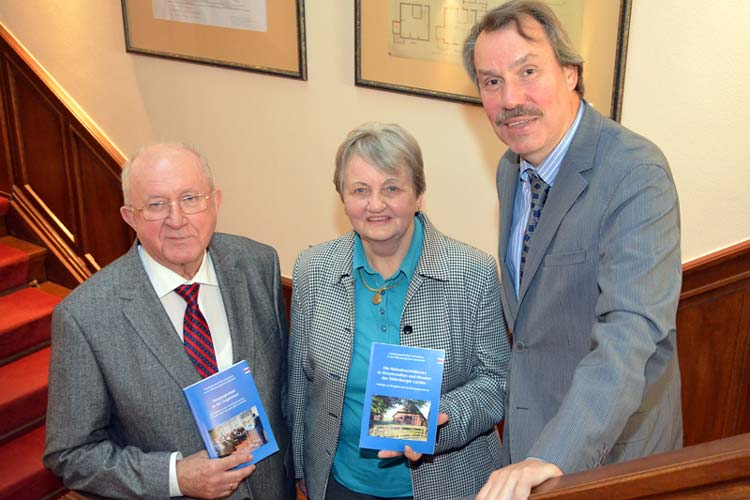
[[522, 110]]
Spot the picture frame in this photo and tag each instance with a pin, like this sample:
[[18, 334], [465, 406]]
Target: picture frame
[[401, 47], [264, 36]]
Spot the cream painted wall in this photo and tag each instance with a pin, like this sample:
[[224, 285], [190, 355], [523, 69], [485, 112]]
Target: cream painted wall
[[271, 140], [686, 88]]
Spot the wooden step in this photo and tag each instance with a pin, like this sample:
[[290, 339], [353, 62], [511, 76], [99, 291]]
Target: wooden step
[[22, 474], [25, 319], [36, 254], [23, 398], [54, 289]]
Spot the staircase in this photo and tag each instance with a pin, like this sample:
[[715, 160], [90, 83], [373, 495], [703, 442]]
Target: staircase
[[26, 303]]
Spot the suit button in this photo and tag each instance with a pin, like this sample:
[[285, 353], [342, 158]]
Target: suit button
[[519, 346]]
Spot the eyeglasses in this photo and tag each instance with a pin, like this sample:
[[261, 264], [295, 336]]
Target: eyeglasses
[[160, 209]]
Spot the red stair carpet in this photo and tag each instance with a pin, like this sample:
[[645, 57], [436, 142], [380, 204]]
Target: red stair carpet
[[14, 267], [23, 399], [25, 316], [21, 477]]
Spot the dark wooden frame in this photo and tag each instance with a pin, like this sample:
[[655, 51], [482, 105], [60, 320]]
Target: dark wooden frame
[[618, 80], [300, 73]]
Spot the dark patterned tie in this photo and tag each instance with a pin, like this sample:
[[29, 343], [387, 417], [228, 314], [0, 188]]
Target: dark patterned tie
[[195, 333], [539, 192]]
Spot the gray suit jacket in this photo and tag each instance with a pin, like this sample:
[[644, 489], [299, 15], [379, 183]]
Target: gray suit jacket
[[594, 375], [116, 408], [452, 303]]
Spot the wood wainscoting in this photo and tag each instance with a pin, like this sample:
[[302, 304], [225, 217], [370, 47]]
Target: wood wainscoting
[[713, 343], [63, 173]]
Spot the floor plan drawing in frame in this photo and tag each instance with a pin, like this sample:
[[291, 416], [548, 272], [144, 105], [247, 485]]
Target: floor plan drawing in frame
[[433, 30]]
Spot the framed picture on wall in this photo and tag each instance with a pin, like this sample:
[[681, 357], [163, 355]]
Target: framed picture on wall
[[266, 36], [414, 46]]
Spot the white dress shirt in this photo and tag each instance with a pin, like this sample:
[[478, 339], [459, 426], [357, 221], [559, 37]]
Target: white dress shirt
[[165, 281]]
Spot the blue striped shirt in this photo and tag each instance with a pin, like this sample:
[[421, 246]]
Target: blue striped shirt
[[547, 170]]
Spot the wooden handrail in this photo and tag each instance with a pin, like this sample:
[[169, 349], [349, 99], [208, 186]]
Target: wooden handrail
[[700, 276], [709, 471], [713, 470]]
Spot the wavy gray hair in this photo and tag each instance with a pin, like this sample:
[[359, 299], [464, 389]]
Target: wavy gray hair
[[514, 12]]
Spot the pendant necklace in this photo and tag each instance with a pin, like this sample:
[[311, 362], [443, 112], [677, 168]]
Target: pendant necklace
[[377, 298]]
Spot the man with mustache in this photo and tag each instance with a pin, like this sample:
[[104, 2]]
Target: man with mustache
[[590, 257]]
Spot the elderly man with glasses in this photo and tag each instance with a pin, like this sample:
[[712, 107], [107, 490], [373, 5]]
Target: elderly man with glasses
[[183, 303]]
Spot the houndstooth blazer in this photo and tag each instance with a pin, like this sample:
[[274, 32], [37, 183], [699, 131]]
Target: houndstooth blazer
[[452, 303]]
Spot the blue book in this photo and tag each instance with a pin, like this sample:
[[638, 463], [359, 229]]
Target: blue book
[[402, 398], [230, 416]]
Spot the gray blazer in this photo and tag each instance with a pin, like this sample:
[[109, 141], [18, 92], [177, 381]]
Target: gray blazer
[[594, 375], [452, 303], [116, 408]]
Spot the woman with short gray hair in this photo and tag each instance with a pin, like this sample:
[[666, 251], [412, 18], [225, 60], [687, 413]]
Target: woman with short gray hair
[[393, 279]]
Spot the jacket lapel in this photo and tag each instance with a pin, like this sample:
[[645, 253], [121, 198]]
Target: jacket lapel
[[344, 278], [507, 179], [432, 263], [149, 320], [341, 280], [568, 186], [235, 292]]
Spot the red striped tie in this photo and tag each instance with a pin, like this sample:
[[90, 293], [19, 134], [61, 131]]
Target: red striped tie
[[195, 333]]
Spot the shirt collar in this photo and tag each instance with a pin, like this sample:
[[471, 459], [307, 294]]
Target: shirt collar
[[164, 280], [550, 167], [408, 265]]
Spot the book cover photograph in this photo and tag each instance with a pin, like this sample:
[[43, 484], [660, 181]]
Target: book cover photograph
[[402, 398], [229, 414]]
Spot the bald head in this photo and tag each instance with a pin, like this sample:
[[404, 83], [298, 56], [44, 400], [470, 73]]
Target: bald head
[[176, 178], [148, 156]]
